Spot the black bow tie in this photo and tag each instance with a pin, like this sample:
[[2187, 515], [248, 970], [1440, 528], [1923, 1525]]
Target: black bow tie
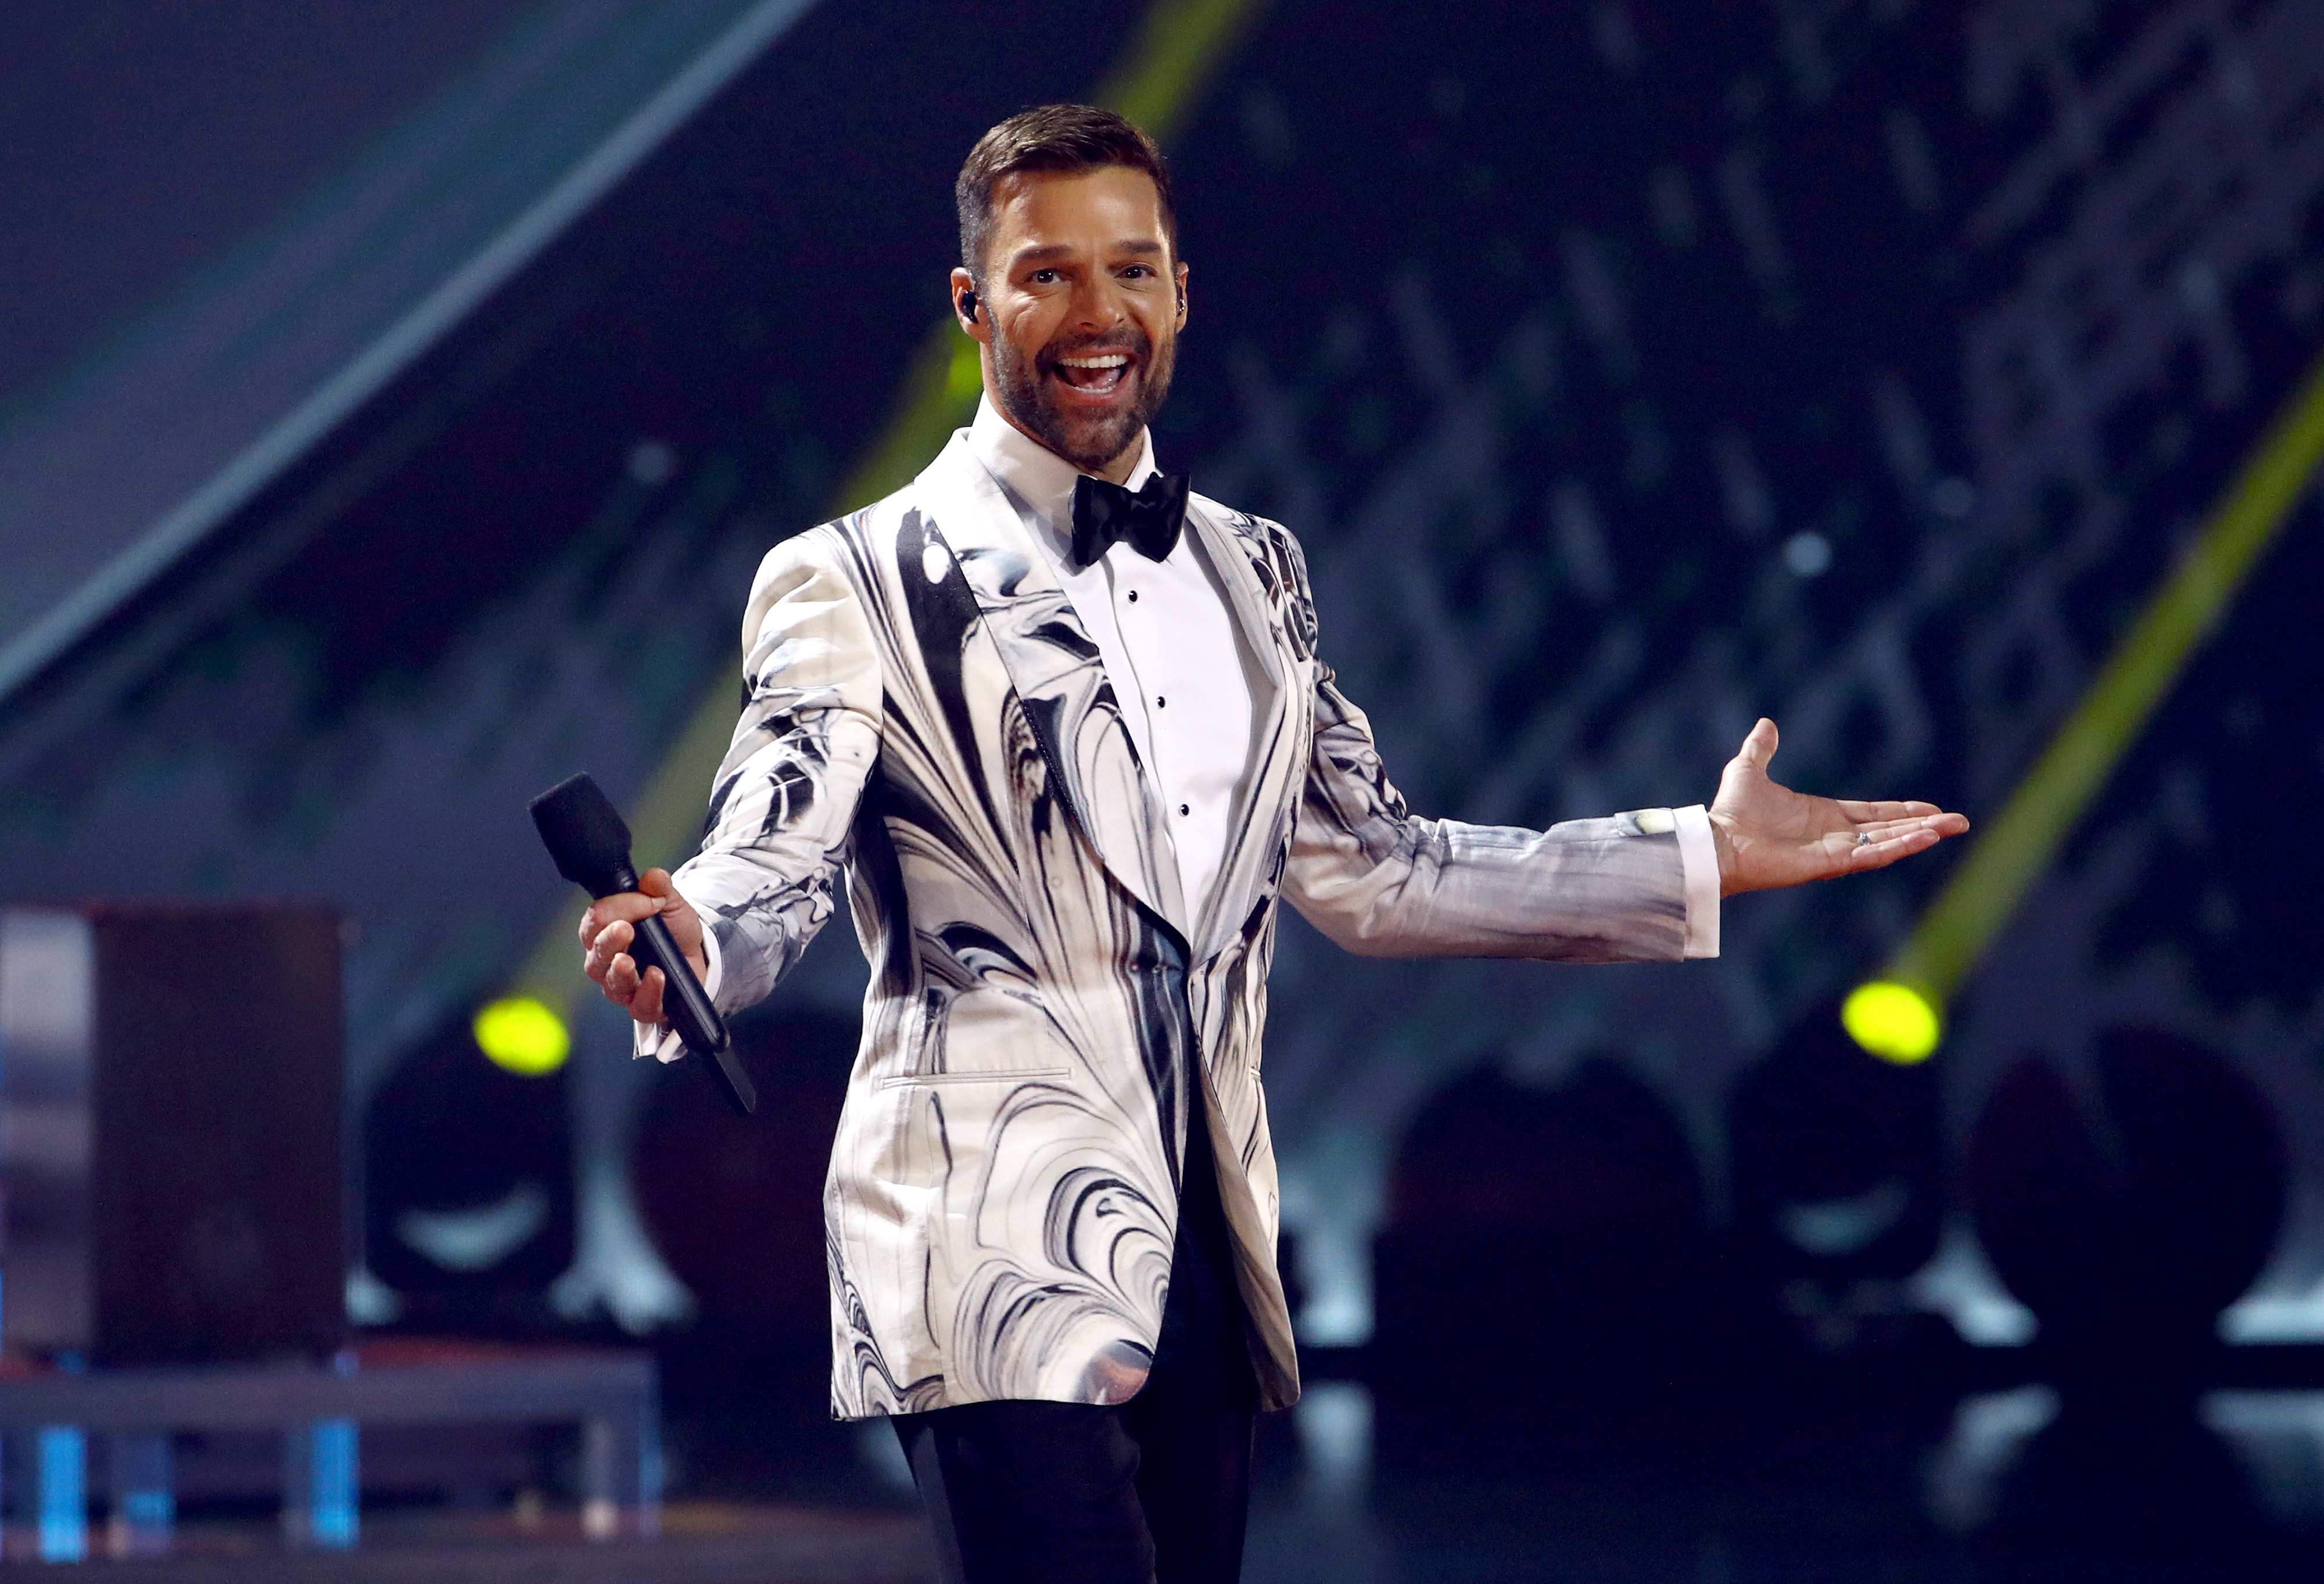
[[1106, 514]]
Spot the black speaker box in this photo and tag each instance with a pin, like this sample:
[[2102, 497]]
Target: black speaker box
[[170, 1132]]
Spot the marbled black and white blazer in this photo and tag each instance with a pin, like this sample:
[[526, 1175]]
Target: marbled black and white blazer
[[929, 723]]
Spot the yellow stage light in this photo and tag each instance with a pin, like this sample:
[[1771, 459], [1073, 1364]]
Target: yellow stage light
[[1895, 1022], [965, 377], [523, 1035]]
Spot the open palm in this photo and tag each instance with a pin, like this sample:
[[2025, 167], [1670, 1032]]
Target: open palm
[[1768, 835]]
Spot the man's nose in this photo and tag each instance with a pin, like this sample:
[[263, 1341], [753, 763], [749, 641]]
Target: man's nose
[[1098, 302]]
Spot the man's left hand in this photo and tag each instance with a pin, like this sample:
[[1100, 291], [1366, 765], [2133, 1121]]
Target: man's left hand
[[1769, 835]]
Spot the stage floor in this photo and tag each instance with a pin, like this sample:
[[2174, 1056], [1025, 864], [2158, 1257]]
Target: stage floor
[[702, 1542], [2012, 1484]]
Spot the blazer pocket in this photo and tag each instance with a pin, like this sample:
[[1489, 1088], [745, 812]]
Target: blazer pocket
[[976, 1075]]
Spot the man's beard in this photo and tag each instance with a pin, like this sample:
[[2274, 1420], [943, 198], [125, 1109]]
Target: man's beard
[[1090, 442]]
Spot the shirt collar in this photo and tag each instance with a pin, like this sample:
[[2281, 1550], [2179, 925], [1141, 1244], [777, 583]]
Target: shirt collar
[[1037, 477]]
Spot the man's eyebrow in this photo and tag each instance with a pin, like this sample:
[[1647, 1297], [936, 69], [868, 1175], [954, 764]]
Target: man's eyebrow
[[1142, 247]]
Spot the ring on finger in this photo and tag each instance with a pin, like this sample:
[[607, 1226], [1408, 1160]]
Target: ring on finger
[[1862, 840]]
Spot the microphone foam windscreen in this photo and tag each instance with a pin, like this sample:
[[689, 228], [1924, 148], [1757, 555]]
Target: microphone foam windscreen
[[583, 832]]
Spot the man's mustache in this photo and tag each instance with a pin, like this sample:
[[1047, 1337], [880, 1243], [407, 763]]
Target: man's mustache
[[1138, 346]]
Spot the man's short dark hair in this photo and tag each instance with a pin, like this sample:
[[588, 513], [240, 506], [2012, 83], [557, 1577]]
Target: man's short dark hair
[[1051, 137]]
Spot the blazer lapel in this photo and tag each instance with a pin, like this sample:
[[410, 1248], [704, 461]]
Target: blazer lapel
[[1262, 825], [1060, 681]]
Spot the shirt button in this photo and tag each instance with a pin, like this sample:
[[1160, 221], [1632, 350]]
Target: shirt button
[[1161, 703], [1182, 809], [1133, 596]]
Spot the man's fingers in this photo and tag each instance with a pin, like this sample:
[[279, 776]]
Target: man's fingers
[[1891, 840], [639, 994], [657, 886], [1863, 812], [645, 1006], [1879, 854], [1943, 824], [622, 907], [606, 948], [609, 930], [1865, 815]]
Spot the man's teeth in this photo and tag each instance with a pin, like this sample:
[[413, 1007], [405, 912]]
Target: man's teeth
[[1098, 372]]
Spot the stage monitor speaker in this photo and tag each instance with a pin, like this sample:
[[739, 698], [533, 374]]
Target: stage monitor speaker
[[170, 1075]]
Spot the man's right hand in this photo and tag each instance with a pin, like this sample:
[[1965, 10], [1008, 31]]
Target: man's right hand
[[610, 925]]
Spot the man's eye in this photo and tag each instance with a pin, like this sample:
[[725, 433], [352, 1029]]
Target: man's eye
[[1043, 277]]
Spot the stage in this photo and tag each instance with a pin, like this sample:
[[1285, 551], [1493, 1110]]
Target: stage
[[700, 1545], [1844, 1476]]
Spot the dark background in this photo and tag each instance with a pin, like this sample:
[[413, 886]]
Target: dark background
[[1628, 371]]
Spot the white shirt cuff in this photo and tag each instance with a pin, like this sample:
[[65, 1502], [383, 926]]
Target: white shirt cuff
[[659, 1040], [1699, 859]]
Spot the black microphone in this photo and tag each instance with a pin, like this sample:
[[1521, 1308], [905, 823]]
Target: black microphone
[[584, 834]]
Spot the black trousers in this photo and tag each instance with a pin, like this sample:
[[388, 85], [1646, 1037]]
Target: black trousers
[[1152, 1491]]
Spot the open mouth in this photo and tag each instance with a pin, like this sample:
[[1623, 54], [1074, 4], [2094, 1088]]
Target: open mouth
[[1097, 373]]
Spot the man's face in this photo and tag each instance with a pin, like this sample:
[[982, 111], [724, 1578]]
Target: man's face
[[1082, 308]]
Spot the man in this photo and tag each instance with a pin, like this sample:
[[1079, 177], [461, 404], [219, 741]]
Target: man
[[1060, 726]]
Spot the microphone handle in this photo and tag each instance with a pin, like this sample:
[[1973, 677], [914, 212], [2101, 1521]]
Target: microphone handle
[[688, 1009]]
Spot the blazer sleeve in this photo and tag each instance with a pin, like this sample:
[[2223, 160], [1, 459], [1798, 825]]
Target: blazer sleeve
[[786, 794], [1381, 881]]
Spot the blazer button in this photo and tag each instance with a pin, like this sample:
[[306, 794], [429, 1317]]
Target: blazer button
[[1133, 596], [1182, 809], [1161, 703]]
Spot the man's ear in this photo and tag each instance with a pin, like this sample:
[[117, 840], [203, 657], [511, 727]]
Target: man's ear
[[1182, 296], [969, 307]]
